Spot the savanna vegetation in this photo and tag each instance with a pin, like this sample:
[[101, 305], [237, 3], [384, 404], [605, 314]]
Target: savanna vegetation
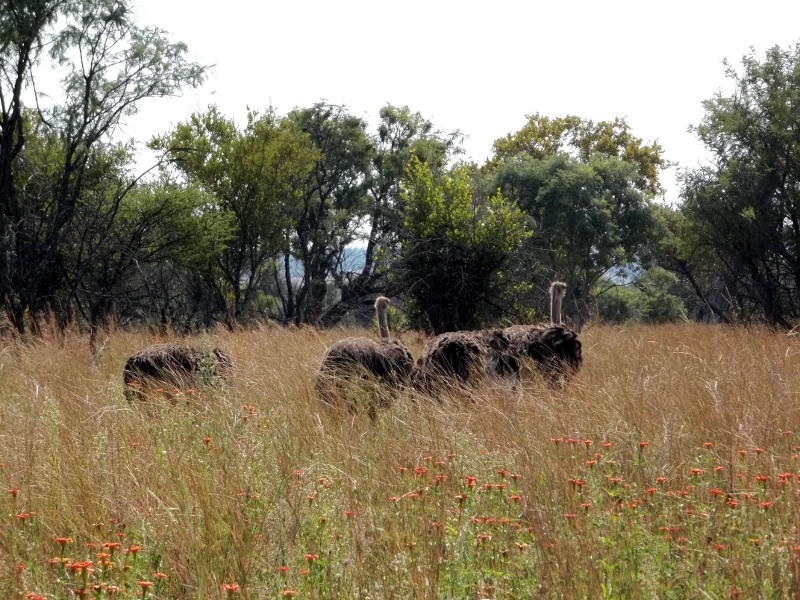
[[668, 468], [304, 217]]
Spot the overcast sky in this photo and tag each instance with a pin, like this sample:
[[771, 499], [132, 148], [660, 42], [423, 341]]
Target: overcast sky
[[477, 67]]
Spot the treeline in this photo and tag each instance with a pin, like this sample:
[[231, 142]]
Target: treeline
[[242, 222]]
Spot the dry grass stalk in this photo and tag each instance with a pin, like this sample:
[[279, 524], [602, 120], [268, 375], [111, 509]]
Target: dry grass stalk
[[226, 497]]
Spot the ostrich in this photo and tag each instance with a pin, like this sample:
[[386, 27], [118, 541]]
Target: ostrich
[[173, 366], [357, 360], [464, 359], [554, 348]]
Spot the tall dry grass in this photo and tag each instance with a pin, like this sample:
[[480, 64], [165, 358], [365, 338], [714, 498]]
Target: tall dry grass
[[259, 488]]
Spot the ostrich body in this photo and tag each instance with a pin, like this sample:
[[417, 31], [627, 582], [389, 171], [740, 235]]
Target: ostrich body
[[463, 359], [554, 349], [172, 366], [354, 361]]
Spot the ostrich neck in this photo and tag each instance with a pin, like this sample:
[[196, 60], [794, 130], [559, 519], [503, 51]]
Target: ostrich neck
[[555, 308], [383, 321]]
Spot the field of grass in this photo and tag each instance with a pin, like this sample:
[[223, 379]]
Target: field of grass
[[669, 468]]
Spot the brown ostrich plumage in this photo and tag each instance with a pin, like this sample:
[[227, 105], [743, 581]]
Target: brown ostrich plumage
[[172, 366], [554, 349], [380, 367], [462, 359]]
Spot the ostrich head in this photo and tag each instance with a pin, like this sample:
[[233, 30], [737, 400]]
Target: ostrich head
[[382, 311], [558, 290]]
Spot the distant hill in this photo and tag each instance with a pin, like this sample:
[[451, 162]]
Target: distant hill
[[355, 257]]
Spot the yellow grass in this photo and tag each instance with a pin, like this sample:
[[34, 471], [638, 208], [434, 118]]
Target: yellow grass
[[228, 487]]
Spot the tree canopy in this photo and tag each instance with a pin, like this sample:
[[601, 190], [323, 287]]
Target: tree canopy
[[542, 137], [109, 64], [587, 190], [736, 236], [305, 217], [256, 175], [455, 246]]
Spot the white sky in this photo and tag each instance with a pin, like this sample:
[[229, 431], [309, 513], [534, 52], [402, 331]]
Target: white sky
[[477, 67]]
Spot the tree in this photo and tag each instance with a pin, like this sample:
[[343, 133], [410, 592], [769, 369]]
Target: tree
[[658, 304], [454, 246], [312, 190], [334, 206], [696, 265], [587, 217], [120, 246], [121, 229], [257, 176], [542, 137], [587, 189], [742, 214], [110, 65], [401, 135], [617, 303]]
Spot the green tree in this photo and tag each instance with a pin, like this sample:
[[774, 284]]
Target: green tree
[[658, 304], [617, 303], [121, 228], [110, 64], [401, 135], [742, 213], [588, 218], [257, 175], [454, 246], [543, 137], [120, 247], [680, 251], [334, 206]]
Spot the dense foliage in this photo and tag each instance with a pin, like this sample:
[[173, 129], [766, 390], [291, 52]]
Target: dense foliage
[[736, 236], [305, 217], [455, 247], [109, 64]]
